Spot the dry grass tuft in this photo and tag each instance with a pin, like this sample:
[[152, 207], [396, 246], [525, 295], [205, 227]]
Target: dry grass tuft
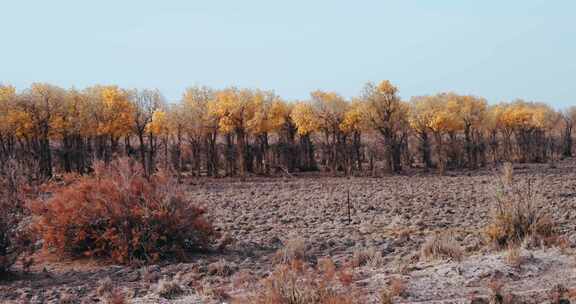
[[441, 246], [367, 257], [384, 297], [296, 283], [105, 287], [294, 249], [149, 276], [220, 268], [345, 277], [514, 256], [327, 267], [116, 297], [243, 279], [168, 289], [519, 214], [108, 293], [398, 287], [559, 294], [67, 298], [211, 292], [498, 296], [495, 287]]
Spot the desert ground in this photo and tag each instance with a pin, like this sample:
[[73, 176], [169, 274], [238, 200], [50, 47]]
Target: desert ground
[[387, 218]]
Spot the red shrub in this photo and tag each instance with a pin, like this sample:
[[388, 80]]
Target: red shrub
[[118, 214]]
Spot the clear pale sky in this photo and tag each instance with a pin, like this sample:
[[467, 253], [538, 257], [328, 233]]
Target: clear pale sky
[[497, 49]]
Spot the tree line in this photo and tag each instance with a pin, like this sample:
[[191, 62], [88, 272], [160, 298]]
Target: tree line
[[236, 132]]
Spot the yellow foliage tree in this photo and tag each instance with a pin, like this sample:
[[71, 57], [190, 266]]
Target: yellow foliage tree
[[388, 115], [14, 122], [235, 109], [471, 110], [304, 119], [420, 119], [330, 109], [268, 118], [202, 124], [529, 123], [117, 112], [353, 125]]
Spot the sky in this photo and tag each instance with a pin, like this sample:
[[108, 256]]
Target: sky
[[500, 50]]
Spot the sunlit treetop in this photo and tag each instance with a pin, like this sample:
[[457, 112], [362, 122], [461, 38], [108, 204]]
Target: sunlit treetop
[[385, 87], [421, 113], [112, 111], [384, 111], [7, 96], [522, 115], [14, 121], [304, 118], [269, 113], [74, 116], [329, 109], [199, 109], [471, 109], [279, 114], [354, 118], [7, 93], [159, 125], [233, 108], [444, 111]]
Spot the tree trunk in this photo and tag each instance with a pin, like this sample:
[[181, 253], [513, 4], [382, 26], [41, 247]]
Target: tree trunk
[[241, 152], [567, 146], [425, 149], [440, 153], [143, 152]]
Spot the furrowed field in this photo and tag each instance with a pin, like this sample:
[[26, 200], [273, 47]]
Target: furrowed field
[[237, 196]]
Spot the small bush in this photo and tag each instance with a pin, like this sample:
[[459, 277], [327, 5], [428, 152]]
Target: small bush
[[119, 215], [497, 294], [116, 297], [559, 294], [327, 267], [221, 268], [105, 287], [441, 246], [295, 283], [518, 214], [514, 256], [384, 297], [294, 249], [169, 289], [217, 293], [368, 256], [398, 287]]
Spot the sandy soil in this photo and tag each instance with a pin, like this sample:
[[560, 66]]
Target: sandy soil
[[394, 215]]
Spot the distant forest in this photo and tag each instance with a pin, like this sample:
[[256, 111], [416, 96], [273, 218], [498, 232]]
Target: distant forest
[[240, 132]]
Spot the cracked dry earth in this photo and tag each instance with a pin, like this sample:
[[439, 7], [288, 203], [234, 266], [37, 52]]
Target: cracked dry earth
[[393, 215]]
